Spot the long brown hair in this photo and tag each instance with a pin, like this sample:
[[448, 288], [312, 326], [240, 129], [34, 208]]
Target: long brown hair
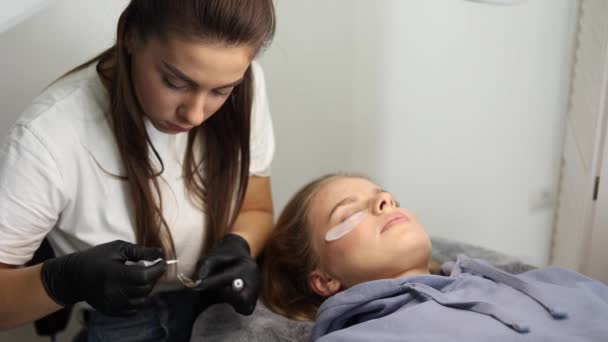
[[218, 180]]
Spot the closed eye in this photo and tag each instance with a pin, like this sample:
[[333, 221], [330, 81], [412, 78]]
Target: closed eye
[[173, 85], [352, 212], [223, 92], [346, 217]]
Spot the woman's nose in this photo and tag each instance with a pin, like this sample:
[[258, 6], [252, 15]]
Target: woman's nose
[[383, 202], [192, 112]]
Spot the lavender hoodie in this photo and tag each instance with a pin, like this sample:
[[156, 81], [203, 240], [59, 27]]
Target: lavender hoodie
[[477, 302]]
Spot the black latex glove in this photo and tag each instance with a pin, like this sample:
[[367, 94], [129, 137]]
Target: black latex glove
[[227, 261], [100, 277]]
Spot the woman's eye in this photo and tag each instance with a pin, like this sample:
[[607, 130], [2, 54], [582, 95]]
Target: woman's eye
[[172, 85], [351, 214], [346, 217], [222, 93]]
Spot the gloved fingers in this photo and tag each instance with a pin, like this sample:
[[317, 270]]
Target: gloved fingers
[[234, 244], [221, 279], [245, 307], [152, 273], [243, 301], [248, 296], [143, 275], [123, 300], [243, 304], [216, 264], [247, 274], [133, 252], [139, 291], [113, 302]]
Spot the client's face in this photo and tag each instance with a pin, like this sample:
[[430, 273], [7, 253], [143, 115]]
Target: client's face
[[369, 238]]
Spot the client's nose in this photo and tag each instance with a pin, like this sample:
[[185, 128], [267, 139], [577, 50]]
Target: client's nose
[[383, 202]]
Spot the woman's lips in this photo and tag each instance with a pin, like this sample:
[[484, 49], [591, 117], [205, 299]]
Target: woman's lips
[[392, 220], [176, 128]]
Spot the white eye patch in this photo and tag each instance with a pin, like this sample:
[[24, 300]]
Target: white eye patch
[[347, 226]]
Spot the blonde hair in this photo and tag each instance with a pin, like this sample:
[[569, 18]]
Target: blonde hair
[[289, 256]]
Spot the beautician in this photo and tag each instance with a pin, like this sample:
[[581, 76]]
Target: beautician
[[159, 149]]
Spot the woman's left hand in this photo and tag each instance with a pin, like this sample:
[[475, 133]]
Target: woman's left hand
[[229, 274]]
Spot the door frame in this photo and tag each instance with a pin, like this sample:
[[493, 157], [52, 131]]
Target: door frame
[[597, 257]]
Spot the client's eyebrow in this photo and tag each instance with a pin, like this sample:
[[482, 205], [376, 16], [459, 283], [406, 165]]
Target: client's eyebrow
[[348, 200]]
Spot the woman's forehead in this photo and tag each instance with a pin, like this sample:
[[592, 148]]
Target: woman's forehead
[[340, 189]]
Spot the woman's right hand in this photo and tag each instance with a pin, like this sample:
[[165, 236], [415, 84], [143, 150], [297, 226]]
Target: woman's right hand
[[100, 277]]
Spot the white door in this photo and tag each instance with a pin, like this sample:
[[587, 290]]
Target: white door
[[597, 265], [581, 224]]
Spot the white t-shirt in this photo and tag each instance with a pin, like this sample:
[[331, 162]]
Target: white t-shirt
[[57, 169]]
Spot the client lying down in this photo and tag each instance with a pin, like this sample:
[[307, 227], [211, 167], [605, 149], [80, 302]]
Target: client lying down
[[345, 254]]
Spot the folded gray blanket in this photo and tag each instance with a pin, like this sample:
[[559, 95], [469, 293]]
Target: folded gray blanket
[[221, 323], [445, 250]]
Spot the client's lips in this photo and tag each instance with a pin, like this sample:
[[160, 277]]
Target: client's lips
[[392, 220]]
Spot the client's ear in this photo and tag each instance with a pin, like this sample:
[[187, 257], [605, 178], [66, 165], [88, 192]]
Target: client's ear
[[322, 283]]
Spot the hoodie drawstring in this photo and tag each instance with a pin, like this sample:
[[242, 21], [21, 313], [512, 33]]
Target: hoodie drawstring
[[519, 284], [476, 306]]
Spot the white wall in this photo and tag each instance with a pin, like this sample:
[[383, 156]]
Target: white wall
[[456, 107], [37, 51], [14, 12]]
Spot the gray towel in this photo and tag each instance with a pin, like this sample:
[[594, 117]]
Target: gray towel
[[445, 250], [221, 323]]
